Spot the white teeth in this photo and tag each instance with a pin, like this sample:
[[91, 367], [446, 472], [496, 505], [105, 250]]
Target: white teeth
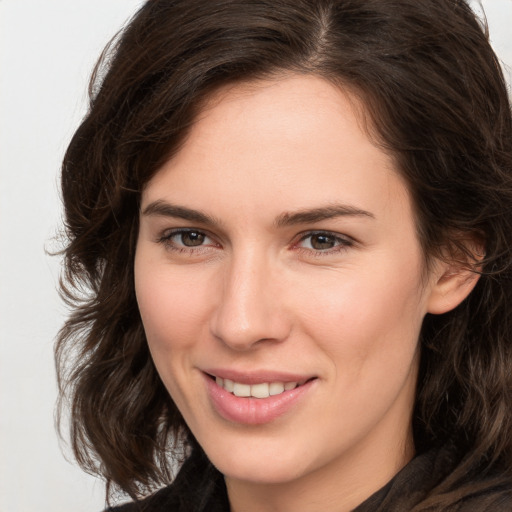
[[276, 388], [241, 389], [262, 390], [229, 385]]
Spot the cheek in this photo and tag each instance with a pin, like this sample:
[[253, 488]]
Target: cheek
[[368, 330], [368, 323], [172, 310], [172, 305]]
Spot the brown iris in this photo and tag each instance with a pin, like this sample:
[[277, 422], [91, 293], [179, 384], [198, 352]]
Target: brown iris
[[322, 241], [192, 238]]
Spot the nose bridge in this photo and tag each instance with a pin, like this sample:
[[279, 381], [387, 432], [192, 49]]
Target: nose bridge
[[249, 308]]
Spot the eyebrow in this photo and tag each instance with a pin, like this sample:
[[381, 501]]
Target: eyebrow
[[318, 214], [165, 209], [307, 216]]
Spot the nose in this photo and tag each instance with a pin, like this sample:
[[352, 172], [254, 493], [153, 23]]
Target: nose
[[251, 307]]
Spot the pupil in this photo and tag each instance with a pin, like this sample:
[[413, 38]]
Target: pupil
[[322, 242], [192, 238]]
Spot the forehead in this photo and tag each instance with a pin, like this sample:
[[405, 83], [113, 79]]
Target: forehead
[[291, 143], [282, 109]]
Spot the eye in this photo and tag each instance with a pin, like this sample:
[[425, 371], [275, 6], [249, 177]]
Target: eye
[[191, 238], [324, 241], [186, 239]]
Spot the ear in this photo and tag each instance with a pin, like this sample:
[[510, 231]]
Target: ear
[[454, 280]]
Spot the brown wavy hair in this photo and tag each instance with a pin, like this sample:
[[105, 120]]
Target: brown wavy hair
[[435, 98]]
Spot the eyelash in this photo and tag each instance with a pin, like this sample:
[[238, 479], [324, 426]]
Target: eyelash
[[166, 240], [342, 243]]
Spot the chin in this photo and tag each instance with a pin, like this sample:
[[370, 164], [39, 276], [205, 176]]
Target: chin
[[260, 464], [261, 473]]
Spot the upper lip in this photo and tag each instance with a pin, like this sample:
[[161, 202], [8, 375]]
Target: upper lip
[[257, 376]]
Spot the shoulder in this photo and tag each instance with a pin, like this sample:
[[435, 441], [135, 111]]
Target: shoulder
[[489, 490], [435, 481], [160, 501], [198, 487], [494, 499]]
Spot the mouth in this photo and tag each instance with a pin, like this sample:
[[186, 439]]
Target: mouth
[[258, 390], [258, 397]]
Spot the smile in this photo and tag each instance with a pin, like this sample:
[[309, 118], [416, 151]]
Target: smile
[[261, 390], [258, 398]]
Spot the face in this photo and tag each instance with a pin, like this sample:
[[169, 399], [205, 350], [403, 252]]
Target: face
[[282, 287]]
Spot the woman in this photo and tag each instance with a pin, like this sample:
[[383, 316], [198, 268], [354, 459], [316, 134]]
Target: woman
[[292, 220]]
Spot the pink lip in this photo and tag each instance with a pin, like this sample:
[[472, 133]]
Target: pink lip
[[254, 411]]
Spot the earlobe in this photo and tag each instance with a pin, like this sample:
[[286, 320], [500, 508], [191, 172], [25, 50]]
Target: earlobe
[[451, 288]]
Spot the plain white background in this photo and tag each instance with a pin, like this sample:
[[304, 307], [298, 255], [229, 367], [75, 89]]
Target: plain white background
[[47, 50]]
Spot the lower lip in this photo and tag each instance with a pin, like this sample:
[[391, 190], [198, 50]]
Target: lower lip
[[254, 411]]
